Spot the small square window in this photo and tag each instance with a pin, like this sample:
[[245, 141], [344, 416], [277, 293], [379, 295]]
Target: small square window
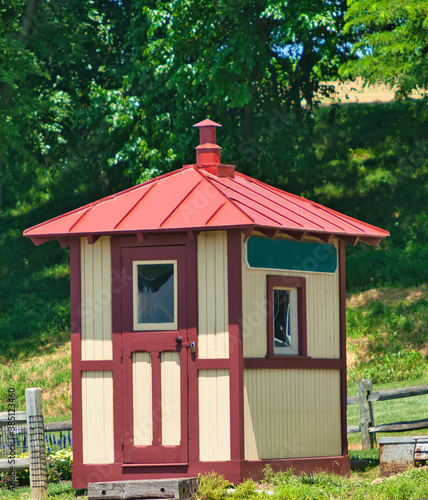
[[285, 322], [286, 316], [155, 295]]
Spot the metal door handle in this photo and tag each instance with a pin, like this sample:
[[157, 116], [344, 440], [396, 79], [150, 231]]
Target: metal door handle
[[180, 342]]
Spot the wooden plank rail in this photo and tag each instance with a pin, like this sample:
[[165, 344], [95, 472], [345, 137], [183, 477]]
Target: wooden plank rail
[[58, 426], [21, 418], [18, 464], [351, 429], [366, 399], [410, 425], [353, 401], [405, 392]]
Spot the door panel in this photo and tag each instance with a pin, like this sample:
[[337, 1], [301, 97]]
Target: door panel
[[154, 364], [142, 398]]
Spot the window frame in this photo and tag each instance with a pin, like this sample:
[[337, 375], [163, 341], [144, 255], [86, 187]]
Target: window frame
[[152, 327], [279, 282]]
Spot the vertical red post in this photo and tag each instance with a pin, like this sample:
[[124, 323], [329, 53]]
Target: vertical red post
[[234, 263]]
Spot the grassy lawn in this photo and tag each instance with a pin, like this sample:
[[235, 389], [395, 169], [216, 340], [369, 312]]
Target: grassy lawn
[[61, 491], [366, 484], [395, 410]]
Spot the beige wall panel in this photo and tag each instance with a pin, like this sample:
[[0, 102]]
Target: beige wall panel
[[142, 398], [322, 312], [96, 299], [97, 416], [213, 331], [291, 413], [214, 415], [171, 398]]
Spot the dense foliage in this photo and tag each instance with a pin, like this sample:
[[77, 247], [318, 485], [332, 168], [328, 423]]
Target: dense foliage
[[96, 96], [392, 35]]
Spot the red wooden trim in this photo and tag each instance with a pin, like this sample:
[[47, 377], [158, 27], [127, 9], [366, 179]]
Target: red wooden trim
[[339, 465], [64, 242], [342, 313], [150, 240], [95, 365], [93, 473], [352, 240], [236, 370], [39, 240], [371, 240], [119, 397], [297, 235], [156, 398], [172, 464], [273, 281], [232, 470], [269, 232], [93, 238], [192, 333], [213, 364], [75, 328], [325, 237], [293, 362]]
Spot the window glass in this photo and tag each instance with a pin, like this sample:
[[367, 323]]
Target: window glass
[[282, 324], [285, 327], [155, 296]]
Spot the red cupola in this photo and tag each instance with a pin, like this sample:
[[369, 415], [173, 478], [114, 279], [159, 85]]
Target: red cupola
[[208, 153]]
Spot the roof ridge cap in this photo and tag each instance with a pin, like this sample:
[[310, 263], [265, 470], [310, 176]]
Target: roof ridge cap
[[205, 174]]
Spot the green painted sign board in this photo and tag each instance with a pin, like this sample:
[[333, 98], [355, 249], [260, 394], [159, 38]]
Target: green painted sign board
[[291, 255]]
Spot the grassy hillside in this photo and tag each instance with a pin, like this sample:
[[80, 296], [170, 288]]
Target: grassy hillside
[[369, 161]]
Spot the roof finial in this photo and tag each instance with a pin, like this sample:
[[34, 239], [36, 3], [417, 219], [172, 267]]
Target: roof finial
[[208, 152]]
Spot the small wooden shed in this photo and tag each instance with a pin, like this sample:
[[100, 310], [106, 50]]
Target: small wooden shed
[[208, 326]]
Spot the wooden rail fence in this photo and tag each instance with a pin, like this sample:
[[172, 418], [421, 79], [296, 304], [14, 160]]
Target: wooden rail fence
[[366, 398], [29, 423]]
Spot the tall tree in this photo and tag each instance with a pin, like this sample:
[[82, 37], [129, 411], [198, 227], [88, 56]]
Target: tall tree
[[51, 55], [393, 43], [249, 64]]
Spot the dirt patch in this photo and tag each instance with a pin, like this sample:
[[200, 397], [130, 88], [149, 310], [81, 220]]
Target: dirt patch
[[355, 446], [356, 92], [388, 296]]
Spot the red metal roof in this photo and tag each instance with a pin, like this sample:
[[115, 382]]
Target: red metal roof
[[202, 197], [194, 199]]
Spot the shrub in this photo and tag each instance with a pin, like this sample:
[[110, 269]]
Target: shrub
[[61, 462], [212, 486]]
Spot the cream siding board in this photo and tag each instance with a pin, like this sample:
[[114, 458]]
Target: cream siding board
[[96, 326], [213, 331], [171, 398], [291, 413], [142, 398], [97, 416], [322, 312], [214, 415]]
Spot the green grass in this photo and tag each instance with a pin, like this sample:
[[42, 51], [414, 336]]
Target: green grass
[[413, 484], [60, 491], [395, 410], [387, 334], [49, 369]]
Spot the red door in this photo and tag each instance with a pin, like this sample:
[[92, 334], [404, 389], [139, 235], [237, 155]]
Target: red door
[[156, 350]]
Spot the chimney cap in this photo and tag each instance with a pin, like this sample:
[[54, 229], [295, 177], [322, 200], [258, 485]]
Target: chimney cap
[[207, 123]]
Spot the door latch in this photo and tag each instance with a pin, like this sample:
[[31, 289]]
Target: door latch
[[180, 342]]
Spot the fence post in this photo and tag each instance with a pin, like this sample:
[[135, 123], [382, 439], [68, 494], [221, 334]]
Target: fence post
[[36, 443], [366, 413]]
